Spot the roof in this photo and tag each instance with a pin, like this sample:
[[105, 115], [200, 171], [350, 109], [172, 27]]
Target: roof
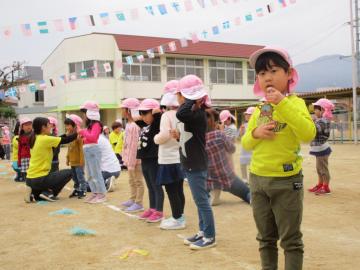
[[133, 43], [331, 93]]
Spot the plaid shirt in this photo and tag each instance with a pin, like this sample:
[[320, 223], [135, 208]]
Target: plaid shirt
[[220, 171]]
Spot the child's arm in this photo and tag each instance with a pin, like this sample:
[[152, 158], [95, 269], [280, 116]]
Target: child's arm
[[92, 135], [186, 113], [165, 126], [228, 143], [297, 117]]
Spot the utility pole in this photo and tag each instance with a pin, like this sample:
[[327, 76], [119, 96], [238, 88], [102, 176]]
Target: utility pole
[[355, 58]]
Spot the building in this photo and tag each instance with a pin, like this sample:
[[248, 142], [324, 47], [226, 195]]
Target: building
[[222, 66]]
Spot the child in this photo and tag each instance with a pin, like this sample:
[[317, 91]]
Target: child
[[228, 121], [132, 132], [92, 152], [54, 132], [245, 156], [193, 99], [110, 167], [170, 173], [6, 141], [116, 139], [39, 181], [15, 148], [75, 156], [149, 110], [24, 145], [274, 134], [320, 148], [221, 175], [106, 132]]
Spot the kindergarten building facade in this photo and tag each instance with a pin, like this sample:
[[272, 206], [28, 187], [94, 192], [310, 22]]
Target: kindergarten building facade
[[223, 67]]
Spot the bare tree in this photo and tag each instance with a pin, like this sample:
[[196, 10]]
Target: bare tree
[[13, 75]]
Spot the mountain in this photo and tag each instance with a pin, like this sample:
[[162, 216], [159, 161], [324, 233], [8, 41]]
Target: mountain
[[330, 71]]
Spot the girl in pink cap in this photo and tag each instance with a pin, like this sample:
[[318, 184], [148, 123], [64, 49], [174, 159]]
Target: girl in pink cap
[[24, 145], [6, 141], [150, 113], [92, 152], [274, 134], [228, 124], [245, 156], [320, 148], [132, 132], [75, 156]]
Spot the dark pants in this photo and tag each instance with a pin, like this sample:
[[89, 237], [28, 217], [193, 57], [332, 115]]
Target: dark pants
[[54, 166], [79, 178], [277, 204], [240, 189], [107, 175], [156, 194], [53, 181], [7, 149], [176, 196]]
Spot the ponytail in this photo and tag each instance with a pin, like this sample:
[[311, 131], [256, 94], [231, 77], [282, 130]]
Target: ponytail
[[38, 124]]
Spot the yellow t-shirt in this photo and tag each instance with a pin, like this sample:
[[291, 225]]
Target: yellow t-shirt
[[15, 148], [120, 143], [42, 155], [113, 138]]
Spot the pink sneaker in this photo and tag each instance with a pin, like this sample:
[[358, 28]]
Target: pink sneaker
[[147, 214], [155, 217], [100, 198], [91, 198]]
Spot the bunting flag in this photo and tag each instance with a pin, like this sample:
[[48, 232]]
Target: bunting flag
[[11, 92], [83, 74], [90, 20], [73, 76], [259, 12], [7, 31], [64, 78], [150, 10], [26, 29], [107, 67], [73, 23], [150, 53], [104, 18], [194, 38], [140, 58], [184, 42], [32, 87], [134, 14], [248, 17], [237, 20], [120, 16], [172, 46], [204, 34], [160, 49], [119, 63], [176, 6], [59, 25], [282, 3], [270, 8], [226, 25], [215, 30], [162, 9], [42, 85], [188, 5], [129, 60], [43, 29], [22, 88], [52, 82]]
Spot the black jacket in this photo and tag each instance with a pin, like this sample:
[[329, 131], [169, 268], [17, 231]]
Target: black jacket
[[147, 147], [192, 136]]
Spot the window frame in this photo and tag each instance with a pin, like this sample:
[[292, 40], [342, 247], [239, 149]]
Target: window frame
[[152, 63], [227, 67], [178, 63]]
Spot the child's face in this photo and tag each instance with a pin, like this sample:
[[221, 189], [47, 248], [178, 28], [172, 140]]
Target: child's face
[[148, 118], [318, 112], [227, 122], [27, 127], [116, 130], [276, 77], [180, 98], [46, 129], [107, 131], [69, 128], [247, 117]]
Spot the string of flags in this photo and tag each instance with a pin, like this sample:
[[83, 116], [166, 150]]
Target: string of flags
[[105, 18], [172, 46]]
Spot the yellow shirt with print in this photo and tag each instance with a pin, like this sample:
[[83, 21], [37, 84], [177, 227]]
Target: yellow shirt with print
[[279, 157], [113, 138], [15, 148], [42, 155], [120, 143]]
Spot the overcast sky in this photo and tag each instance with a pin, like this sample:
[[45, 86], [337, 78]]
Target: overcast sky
[[308, 29]]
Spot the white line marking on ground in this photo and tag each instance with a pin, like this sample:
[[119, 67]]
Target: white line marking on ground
[[117, 209]]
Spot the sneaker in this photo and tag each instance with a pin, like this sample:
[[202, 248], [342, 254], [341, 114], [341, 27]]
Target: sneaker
[[203, 243], [315, 188], [47, 196], [193, 239], [323, 191], [110, 184], [134, 208], [147, 214], [81, 194], [173, 224], [128, 203], [155, 217], [215, 197], [74, 194], [29, 197], [100, 198], [91, 198]]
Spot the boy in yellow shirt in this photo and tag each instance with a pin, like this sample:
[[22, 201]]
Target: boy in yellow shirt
[[275, 131], [116, 139]]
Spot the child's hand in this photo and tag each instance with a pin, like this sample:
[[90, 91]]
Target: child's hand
[[174, 133], [221, 126], [242, 130], [273, 95], [265, 131]]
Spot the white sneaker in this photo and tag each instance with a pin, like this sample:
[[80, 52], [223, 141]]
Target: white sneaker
[[111, 184], [173, 224]]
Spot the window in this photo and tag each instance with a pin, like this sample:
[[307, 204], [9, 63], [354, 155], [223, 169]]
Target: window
[[77, 67], [179, 67], [148, 70], [225, 72], [39, 96], [251, 74]]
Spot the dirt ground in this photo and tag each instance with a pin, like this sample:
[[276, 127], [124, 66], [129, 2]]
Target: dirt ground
[[32, 239]]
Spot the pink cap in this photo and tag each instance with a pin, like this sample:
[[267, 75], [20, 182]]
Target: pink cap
[[106, 127], [130, 103], [76, 119], [149, 104], [93, 115], [327, 105], [90, 105], [253, 58], [53, 121], [171, 87], [250, 110], [225, 115], [169, 100], [25, 120], [192, 87]]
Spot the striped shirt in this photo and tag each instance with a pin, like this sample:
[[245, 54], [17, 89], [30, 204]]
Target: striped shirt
[[231, 132], [132, 132]]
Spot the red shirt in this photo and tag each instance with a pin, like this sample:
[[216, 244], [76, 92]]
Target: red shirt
[[24, 147]]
